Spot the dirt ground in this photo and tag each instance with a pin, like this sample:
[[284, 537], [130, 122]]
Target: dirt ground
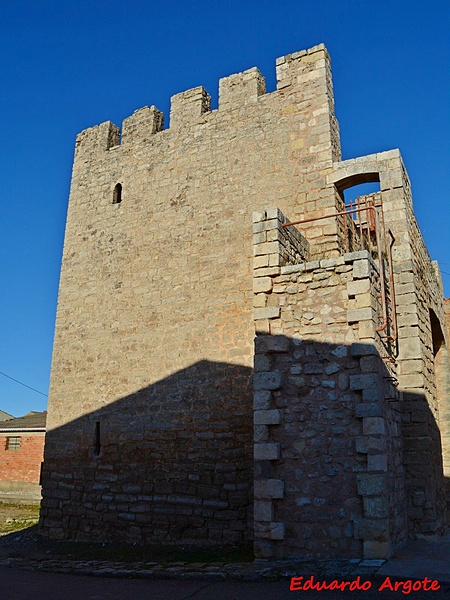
[[14, 517], [21, 519]]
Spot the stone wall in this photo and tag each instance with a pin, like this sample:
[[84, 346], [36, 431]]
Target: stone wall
[[329, 479], [150, 408], [421, 333], [443, 387], [178, 242], [162, 281], [170, 463]]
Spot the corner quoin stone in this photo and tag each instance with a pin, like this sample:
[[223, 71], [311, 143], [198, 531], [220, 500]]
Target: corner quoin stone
[[268, 488]]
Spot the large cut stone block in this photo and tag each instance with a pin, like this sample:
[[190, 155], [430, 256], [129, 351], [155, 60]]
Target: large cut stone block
[[268, 488]]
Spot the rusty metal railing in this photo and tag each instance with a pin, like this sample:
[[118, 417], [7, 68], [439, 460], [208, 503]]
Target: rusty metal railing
[[363, 228]]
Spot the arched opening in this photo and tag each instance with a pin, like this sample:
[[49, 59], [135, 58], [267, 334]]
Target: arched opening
[[442, 381], [117, 194], [361, 199], [366, 183], [436, 333], [360, 190]]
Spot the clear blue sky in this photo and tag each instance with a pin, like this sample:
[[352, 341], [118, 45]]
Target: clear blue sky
[[67, 65]]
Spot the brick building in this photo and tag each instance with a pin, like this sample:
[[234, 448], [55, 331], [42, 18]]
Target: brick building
[[169, 420], [22, 452]]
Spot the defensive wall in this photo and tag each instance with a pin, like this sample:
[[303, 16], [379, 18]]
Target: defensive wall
[[153, 424]]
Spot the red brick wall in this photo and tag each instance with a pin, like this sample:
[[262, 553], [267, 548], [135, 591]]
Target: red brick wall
[[23, 464]]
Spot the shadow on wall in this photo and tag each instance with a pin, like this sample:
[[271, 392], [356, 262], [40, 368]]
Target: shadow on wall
[[428, 492], [348, 464], [170, 463], [173, 462]]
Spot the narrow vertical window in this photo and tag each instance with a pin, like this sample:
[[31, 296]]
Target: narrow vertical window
[[117, 195], [97, 442]]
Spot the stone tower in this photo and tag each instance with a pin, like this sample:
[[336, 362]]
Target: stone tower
[[155, 433]]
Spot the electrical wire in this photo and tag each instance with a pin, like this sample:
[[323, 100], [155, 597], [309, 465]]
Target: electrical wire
[[24, 384]]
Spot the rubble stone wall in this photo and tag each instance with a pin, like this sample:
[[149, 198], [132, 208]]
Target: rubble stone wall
[[329, 479], [419, 304]]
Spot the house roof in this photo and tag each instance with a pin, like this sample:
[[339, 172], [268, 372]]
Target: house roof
[[34, 421], [4, 416]]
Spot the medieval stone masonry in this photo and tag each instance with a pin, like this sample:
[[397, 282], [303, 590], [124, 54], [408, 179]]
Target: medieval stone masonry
[[215, 385]]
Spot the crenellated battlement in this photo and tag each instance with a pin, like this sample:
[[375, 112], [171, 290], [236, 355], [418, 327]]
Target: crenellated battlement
[[143, 123], [100, 137], [189, 108], [308, 64], [163, 287], [241, 89]]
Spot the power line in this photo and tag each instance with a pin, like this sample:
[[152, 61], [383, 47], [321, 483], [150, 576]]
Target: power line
[[24, 384]]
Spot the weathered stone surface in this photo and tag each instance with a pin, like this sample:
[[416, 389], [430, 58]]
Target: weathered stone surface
[[262, 399], [373, 425], [376, 507], [263, 510], [267, 417], [268, 344], [377, 462], [268, 488], [271, 531], [359, 349], [372, 529], [368, 443], [411, 348], [264, 549], [149, 440], [376, 549], [370, 484], [262, 284], [368, 380], [267, 380], [360, 286], [266, 451], [269, 312], [361, 269], [371, 409], [359, 314]]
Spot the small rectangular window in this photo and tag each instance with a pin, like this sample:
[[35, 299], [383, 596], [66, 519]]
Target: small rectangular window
[[97, 441], [13, 443]]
